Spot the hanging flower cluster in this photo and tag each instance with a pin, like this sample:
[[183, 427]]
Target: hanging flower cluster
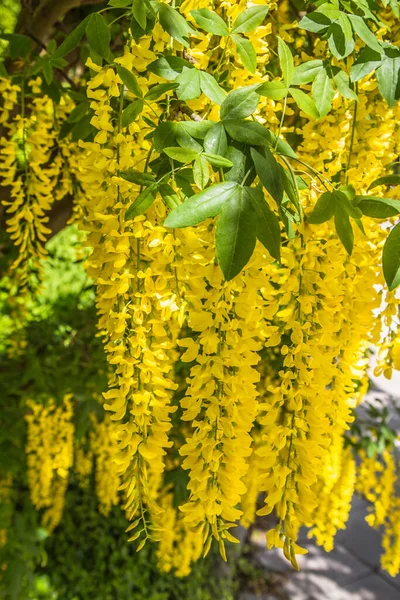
[[49, 449]]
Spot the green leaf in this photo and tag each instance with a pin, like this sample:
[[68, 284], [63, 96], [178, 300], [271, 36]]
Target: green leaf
[[130, 81], [164, 135], [315, 22], [211, 89], [246, 52], [304, 102], [330, 10], [189, 84], [286, 61], [307, 72], [169, 195], [269, 173], [197, 129], [364, 32], [217, 161], [216, 141], [323, 93], [290, 187], [240, 103], [268, 228], [71, 41], [238, 160], [235, 236], [139, 13], [273, 89], [79, 111], [201, 206], [249, 19], [174, 23], [376, 207], [158, 90], [137, 177], [342, 82], [343, 201], [201, 173], [344, 228], [248, 132], [391, 258], [323, 210], [210, 21], [131, 112], [142, 203], [393, 179], [98, 35], [185, 140], [168, 67], [387, 76], [367, 61], [338, 44], [20, 46], [120, 3], [183, 155]]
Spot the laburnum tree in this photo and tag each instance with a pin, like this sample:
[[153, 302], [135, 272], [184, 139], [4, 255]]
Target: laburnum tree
[[230, 171]]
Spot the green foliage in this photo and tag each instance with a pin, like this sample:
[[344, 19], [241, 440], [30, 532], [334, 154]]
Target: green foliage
[[87, 557]]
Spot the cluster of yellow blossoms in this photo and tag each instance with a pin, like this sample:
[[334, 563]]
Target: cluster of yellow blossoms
[[277, 357], [33, 163], [49, 449]]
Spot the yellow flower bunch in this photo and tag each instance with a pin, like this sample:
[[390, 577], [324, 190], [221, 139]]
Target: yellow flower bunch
[[49, 450]]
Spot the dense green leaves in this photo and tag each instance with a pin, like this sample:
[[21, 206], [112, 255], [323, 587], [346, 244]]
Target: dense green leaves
[[201, 206], [137, 177], [235, 233], [391, 258]]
